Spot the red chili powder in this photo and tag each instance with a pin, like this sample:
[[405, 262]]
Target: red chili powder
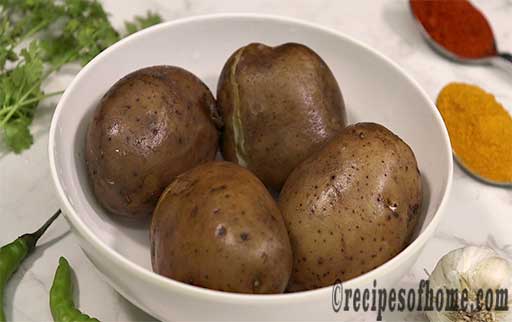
[[457, 26]]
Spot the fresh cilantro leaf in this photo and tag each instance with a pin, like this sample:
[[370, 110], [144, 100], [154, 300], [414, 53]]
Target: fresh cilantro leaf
[[59, 50], [67, 31], [142, 22], [20, 93], [6, 40], [17, 135]]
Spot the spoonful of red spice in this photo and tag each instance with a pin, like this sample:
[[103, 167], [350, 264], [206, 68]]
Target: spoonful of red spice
[[458, 31]]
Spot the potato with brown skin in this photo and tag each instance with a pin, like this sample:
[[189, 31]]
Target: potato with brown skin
[[351, 207], [279, 105], [217, 226], [151, 126]]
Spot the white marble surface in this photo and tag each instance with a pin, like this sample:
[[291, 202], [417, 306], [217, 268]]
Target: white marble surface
[[476, 214]]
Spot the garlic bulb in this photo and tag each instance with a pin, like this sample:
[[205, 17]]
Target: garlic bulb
[[472, 268]]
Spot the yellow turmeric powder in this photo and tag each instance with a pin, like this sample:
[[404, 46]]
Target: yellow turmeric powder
[[480, 130]]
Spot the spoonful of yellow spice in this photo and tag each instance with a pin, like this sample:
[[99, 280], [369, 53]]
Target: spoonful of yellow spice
[[480, 131]]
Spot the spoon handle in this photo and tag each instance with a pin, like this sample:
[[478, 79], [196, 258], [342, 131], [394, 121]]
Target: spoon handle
[[503, 60], [506, 56]]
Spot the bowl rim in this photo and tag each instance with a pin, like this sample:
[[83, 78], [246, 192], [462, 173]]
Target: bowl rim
[[236, 298]]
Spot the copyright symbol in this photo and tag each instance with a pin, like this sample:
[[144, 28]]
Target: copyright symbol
[[337, 296]]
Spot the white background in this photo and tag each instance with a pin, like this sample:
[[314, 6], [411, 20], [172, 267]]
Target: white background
[[476, 214]]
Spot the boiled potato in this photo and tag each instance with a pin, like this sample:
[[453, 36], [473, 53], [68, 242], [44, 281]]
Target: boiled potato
[[351, 207], [152, 125], [216, 226], [279, 105]]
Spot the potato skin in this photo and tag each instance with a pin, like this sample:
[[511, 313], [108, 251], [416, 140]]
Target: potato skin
[[279, 105], [151, 125], [351, 207], [217, 226]]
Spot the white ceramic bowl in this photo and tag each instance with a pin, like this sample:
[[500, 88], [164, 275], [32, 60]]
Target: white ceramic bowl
[[374, 88]]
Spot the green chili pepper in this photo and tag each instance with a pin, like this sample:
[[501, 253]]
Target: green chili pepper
[[13, 254], [61, 297]]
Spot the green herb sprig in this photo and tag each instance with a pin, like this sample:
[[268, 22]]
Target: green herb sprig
[[38, 37]]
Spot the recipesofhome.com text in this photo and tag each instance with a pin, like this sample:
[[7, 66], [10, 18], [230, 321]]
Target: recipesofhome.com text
[[420, 299]]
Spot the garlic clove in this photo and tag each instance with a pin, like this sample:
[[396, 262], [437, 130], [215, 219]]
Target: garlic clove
[[492, 273]]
